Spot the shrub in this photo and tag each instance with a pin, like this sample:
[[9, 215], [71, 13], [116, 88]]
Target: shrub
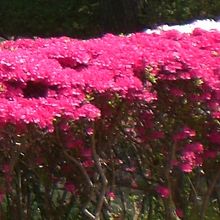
[[103, 127]]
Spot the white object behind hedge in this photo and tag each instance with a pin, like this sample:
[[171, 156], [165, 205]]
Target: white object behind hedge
[[207, 25]]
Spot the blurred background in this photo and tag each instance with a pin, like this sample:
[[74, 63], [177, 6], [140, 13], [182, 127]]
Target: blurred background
[[93, 18]]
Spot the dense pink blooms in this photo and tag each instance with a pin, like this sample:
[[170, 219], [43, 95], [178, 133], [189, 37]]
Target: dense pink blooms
[[147, 104], [191, 157], [45, 79]]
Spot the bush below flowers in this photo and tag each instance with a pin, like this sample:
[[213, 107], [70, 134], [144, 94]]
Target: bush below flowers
[[135, 114]]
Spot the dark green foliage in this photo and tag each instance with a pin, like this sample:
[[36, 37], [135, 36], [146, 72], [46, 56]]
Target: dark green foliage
[[48, 17], [91, 18], [178, 11]]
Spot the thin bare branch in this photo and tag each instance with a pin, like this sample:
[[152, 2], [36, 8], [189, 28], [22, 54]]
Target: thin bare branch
[[170, 206], [81, 168], [89, 214], [208, 194], [103, 179]]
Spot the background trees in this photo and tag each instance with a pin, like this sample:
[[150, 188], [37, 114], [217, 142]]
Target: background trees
[[90, 18]]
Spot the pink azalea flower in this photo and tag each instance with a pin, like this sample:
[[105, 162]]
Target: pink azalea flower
[[163, 191], [111, 196], [179, 213], [70, 187], [194, 147], [186, 132]]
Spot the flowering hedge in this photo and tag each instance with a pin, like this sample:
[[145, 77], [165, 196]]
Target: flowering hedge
[[93, 119]]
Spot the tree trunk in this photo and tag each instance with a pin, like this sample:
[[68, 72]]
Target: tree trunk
[[119, 16]]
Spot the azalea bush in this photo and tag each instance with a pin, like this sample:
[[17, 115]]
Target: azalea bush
[[116, 127]]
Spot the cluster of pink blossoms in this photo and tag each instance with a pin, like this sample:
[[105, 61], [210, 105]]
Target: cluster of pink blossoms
[[43, 80]]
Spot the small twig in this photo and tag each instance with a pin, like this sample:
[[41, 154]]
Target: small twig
[[139, 163], [81, 168], [194, 190], [19, 194], [124, 205], [88, 180], [171, 213], [73, 160], [28, 215], [89, 214], [84, 173], [103, 178], [208, 194], [150, 209], [137, 210]]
